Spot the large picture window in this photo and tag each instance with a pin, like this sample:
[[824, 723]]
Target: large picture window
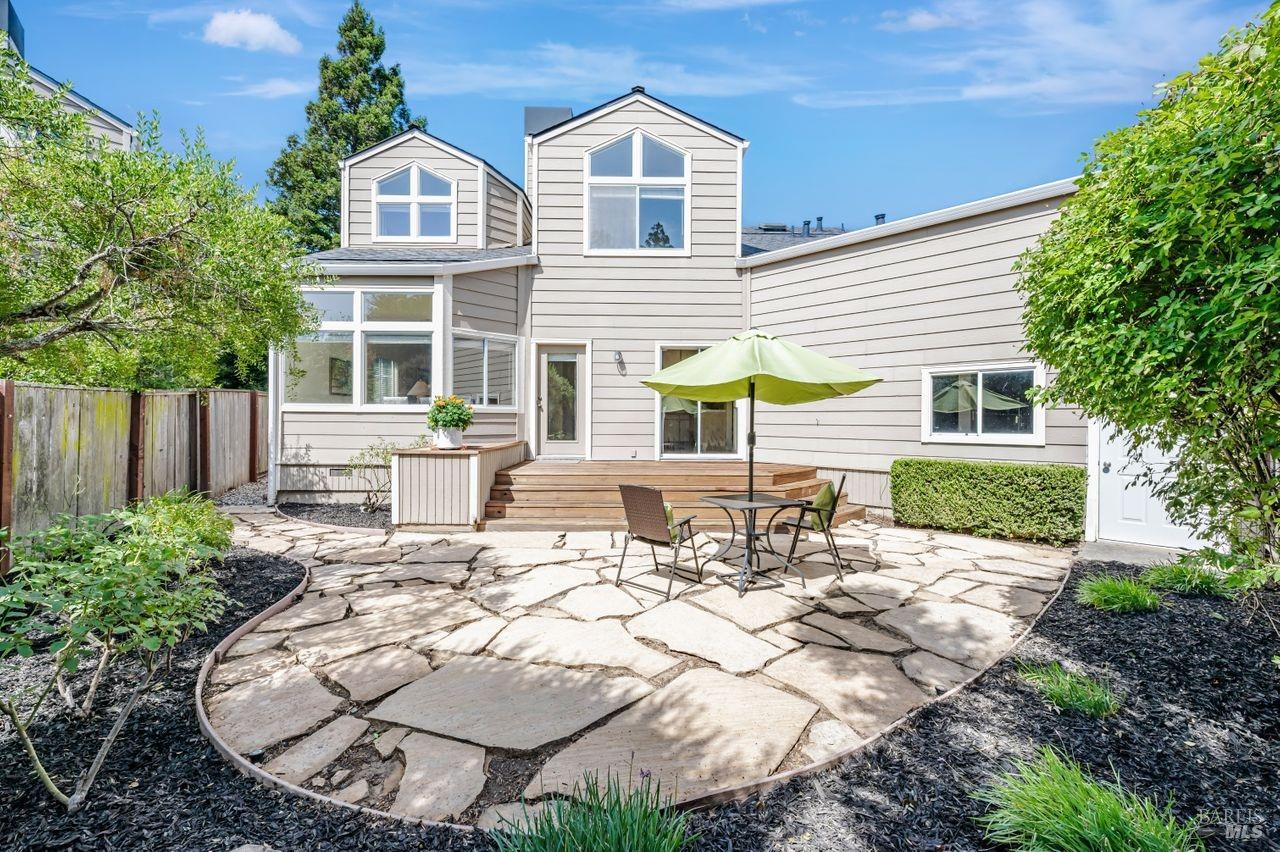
[[415, 203], [982, 404], [484, 370], [637, 196], [373, 348], [695, 428]]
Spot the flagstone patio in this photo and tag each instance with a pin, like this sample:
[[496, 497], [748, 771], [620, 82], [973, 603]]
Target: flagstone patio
[[445, 677]]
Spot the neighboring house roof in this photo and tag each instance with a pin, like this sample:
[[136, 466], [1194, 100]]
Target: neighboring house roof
[[83, 102], [637, 93], [419, 260], [390, 141], [757, 240], [1042, 192]]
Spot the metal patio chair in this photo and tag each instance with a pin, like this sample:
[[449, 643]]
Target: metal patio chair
[[818, 515], [649, 520]]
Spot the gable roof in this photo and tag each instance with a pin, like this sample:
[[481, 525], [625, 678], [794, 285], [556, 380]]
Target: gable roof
[[418, 133], [637, 94], [83, 102], [757, 240]]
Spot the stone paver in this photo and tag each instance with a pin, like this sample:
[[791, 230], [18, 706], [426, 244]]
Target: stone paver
[[386, 742], [375, 673], [704, 730], [970, 635], [328, 642], [521, 557], [240, 669], [949, 587], [354, 792], [262, 712], [512, 815], [799, 632], [441, 777], [253, 643], [600, 601], [866, 691], [842, 605], [996, 579], [690, 630], [508, 704], [932, 670], [532, 588], [471, 638], [1010, 600], [829, 738], [867, 583], [576, 643], [1022, 569], [391, 598], [431, 572], [314, 752], [463, 553], [860, 638], [306, 614], [761, 608], [370, 555]]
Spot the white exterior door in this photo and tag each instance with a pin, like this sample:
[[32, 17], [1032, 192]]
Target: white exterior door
[[1127, 510], [562, 401]]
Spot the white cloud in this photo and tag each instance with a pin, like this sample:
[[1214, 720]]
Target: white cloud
[[753, 24], [274, 87], [943, 15], [1047, 54], [250, 30], [565, 71]]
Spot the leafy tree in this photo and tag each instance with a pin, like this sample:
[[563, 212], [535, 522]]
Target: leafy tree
[[360, 102], [1156, 293], [657, 237], [130, 268]]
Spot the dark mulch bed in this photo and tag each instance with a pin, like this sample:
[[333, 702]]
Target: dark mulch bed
[[1201, 723], [163, 785], [337, 514]]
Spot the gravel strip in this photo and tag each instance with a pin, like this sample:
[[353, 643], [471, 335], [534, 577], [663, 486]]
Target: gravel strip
[[337, 514], [1200, 722], [163, 785], [250, 494]]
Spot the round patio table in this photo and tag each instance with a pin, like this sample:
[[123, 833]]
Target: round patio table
[[749, 505]]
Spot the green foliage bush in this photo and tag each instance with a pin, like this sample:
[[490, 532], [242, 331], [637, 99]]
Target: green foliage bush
[[1052, 805], [1070, 690], [1117, 594], [131, 583], [1037, 502], [1187, 578], [596, 819]]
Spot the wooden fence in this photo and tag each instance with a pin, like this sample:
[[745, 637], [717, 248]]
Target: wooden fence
[[80, 451]]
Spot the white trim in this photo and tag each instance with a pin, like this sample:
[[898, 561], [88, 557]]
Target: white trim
[[1093, 487], [737, 208], [535, 361], [442, 337], [475, 501], [415, 199], [482, 215], [626, 101], [533, 206], [637, 180], [344, 211], [422, 268], [1043, 192], [927, 436], [740, 420], [275, 425], [395, 489], [422, 135]]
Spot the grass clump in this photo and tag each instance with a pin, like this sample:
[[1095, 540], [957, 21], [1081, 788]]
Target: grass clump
[[1051, 804], [1187, 578], [1110, 593], [1069, 690], [612, 818]]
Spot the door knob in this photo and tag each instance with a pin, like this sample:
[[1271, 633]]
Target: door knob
[[1106, 467]]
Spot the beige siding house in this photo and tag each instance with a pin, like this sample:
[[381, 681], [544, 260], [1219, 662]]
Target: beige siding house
[[544, 306]]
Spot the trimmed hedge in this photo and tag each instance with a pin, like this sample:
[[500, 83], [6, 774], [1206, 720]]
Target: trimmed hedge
[[1037, 502]]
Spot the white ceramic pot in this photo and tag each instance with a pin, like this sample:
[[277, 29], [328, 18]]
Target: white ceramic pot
[[449, 439]]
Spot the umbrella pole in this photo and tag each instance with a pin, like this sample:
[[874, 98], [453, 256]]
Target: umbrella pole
[[751, 440]]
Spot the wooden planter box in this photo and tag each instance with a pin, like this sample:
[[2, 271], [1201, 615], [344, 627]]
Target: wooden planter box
[[435, 489]]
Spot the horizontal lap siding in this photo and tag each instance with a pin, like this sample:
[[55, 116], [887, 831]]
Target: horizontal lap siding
[[330, 438], [501, 215], [486, 301], [628, 304], [937, 296], [360, 189]]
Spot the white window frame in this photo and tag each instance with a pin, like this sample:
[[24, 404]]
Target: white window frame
[[517, 366], [414, 199], [739, 405], [358, 328], [928, 436], [637, 166]]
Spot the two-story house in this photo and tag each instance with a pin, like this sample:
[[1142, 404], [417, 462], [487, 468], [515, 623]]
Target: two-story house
[[625, 252]]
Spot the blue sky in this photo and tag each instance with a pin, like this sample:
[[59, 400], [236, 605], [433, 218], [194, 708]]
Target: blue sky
[[852, 108]]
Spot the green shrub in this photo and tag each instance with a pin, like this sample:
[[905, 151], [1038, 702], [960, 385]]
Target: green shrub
[[611, 819], [131, 583], [1037, 502], [1051, 804], [1117, 594], [1187, 578], [1069, 690]]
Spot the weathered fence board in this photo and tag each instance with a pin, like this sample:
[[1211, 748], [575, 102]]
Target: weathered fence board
[[82, 451]]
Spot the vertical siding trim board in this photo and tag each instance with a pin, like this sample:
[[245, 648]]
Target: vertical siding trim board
[[482, 227], [442, 338]]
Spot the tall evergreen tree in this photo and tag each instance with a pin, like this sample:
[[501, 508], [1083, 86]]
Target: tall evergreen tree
[[360, 102]]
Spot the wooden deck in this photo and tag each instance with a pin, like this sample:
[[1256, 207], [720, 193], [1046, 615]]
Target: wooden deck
[[584, 494]]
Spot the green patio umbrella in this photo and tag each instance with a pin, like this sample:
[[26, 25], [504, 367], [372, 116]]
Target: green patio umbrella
[[755, 365], [962, 395]]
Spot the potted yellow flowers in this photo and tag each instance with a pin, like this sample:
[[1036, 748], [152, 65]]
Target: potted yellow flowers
[[449, 417]]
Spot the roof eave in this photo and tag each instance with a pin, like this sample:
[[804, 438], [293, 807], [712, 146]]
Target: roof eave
[[422, 267]]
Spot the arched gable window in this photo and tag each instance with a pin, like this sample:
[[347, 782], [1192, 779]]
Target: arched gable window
[[637, 196], [415, 203]]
